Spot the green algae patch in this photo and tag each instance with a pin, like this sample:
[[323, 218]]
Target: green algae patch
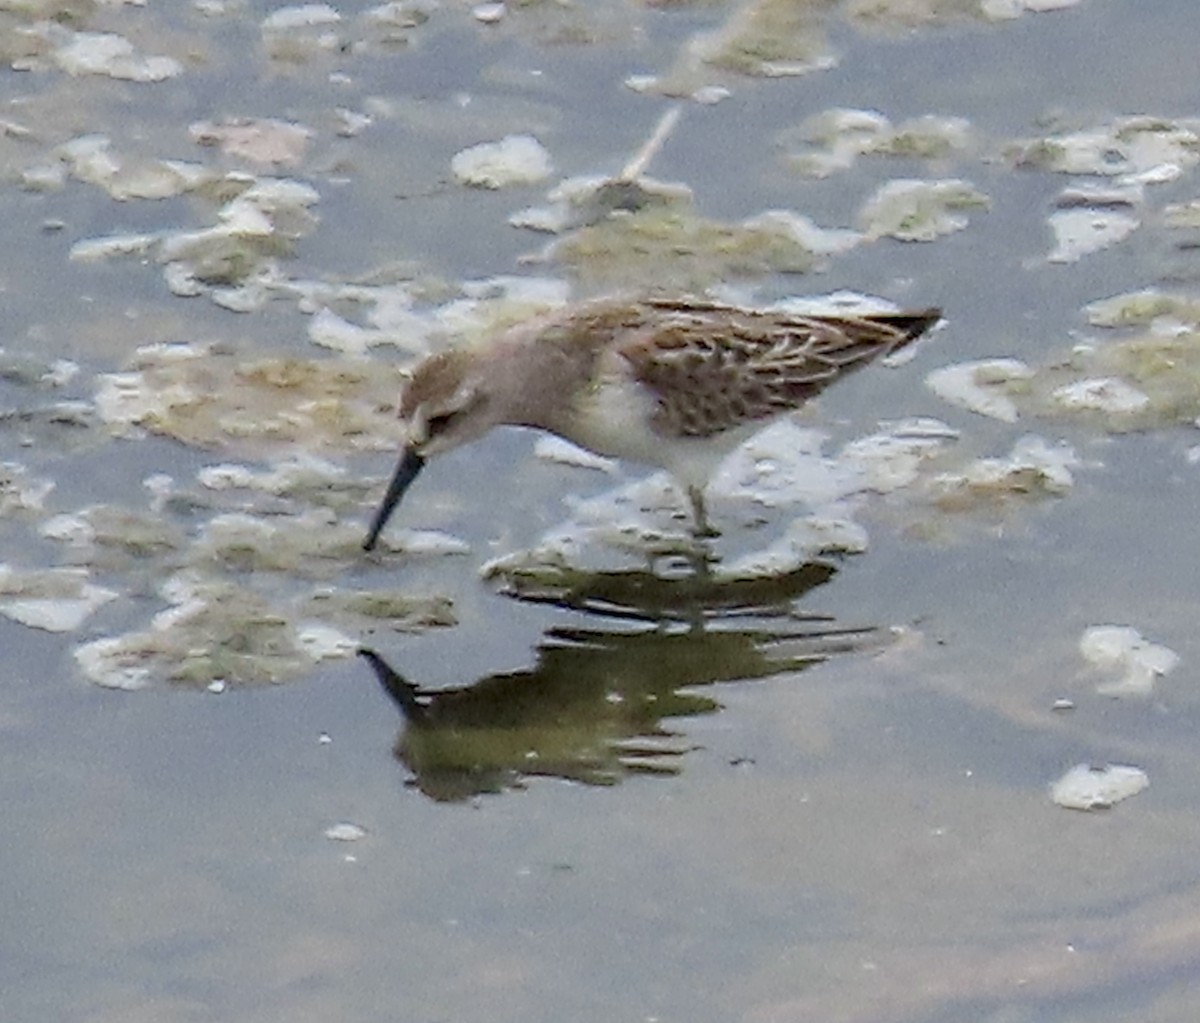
[[914, 210], [554, 23], [895, 15], [1147, 380], [1034, 468], [580, 201], [770, 39], [833, 140], [313, 481], [217, 633], [308, 545], [666, 248], [235, 260], [205, 397], [404, 612], [1142, 308], [1127, 147], [1166, 369], [117, 539], [311, 544]]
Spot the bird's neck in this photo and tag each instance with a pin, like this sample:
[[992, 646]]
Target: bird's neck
[[534, 374]]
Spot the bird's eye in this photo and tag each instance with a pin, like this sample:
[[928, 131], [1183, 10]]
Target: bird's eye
[[439, 424]]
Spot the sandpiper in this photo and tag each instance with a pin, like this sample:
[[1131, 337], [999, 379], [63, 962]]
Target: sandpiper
[[676, 383]]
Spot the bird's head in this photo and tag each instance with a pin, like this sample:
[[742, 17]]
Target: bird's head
[[443, 404]]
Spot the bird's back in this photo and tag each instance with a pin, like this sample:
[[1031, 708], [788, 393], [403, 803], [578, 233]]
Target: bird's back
[[713, 367]]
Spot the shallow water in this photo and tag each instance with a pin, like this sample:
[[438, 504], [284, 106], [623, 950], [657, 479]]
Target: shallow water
[[832, 804]]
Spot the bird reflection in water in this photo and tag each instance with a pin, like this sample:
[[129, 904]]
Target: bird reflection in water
[[593, 707]]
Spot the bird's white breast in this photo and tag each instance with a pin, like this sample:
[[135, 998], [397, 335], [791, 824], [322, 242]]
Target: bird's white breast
[[616, 417]]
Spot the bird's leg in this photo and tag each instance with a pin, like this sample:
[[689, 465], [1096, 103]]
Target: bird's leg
[[702, 529], [695, 552], [701, 555]]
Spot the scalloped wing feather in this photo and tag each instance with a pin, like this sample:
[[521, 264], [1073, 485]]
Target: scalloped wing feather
[[713, 368]]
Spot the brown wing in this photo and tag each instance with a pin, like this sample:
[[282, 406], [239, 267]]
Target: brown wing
[[715, 367]]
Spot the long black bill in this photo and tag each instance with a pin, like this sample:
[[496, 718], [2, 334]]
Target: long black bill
[[411, 464]]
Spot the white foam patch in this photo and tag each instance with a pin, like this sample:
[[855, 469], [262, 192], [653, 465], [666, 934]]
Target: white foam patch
[[1123, 651], [1085, 787]]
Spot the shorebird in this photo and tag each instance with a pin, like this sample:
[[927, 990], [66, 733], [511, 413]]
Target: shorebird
[[675, 383]]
